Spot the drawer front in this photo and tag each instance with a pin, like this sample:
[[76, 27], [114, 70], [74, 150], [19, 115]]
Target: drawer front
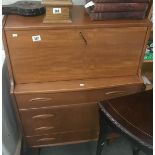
[[60, 119], [75, 54], [61, 138], [37, 100]]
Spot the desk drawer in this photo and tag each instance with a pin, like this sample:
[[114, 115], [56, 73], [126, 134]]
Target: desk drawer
[[60, 119], [61, 138], [37, 100]]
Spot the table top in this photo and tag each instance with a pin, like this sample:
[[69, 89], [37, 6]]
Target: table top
[[79, 17], [133, 114]]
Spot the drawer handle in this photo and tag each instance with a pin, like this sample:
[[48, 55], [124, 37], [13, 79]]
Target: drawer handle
[[82, 36], [45, 139], [40, 99], [114, 92], [43, 116], [44, 128]]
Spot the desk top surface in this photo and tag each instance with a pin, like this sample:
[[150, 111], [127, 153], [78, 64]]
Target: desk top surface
[[79, 17]]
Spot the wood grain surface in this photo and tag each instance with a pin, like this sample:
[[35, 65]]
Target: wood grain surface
[[137, 120], [43, 99], [79, 20], [63, 17], [109, 52], [57, 3], [67, 118], [62, 138]]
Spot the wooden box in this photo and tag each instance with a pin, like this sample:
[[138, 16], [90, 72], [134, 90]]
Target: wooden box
[[57, 11]]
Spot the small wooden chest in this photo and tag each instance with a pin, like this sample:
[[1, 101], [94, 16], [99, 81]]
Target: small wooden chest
[[57, 11]]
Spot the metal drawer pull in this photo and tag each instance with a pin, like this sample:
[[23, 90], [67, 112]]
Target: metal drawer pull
[[114, 92], [82, 36], [40, 99], [43, 116], [45, 139], [44, 128]]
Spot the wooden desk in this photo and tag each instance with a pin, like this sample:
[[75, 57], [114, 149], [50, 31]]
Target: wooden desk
[[59, 72]]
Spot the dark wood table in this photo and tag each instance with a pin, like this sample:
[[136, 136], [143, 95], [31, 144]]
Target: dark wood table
[[131, 116]]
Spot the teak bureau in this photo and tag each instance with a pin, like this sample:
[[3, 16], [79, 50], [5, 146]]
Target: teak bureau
[[59, 72]]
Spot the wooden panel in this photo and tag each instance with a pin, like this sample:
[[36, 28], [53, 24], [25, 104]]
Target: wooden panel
[[47, 60], [60, 119], [54, 39], [57, 3], [116, 52], [7, 56], [75, 85], [103, 53], [79, 17], [37, 100], [54, 18], [147, 71], [61, 138]]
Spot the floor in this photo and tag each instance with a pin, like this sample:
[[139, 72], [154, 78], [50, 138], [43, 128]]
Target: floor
[[120, 146]]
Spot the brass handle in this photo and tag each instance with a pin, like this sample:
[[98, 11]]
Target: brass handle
[[44, 128], [45, 139], [114, 92], [40, 99], [82, 36], [43, 116]]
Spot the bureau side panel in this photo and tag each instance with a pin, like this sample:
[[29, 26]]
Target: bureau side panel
[[143, 50], [11, 77]]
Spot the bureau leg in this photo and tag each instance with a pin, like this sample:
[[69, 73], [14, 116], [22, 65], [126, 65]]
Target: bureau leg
[[103, 133], [39, 150], [36, 151], [136, 151]]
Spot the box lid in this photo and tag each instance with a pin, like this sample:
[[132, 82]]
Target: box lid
[[57, 2]]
